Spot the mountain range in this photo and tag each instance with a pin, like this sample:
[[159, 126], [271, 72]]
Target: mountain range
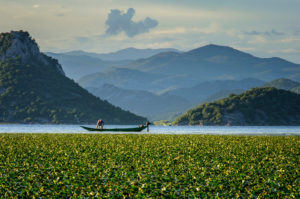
[[213, 62], [171, 70], [163, 83], [77, 66], [201, 75], [124, 54], [34, 88]]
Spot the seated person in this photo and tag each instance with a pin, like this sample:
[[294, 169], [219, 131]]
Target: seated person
[[100, 124]]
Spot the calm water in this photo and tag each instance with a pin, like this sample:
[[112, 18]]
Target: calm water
[[218, 130]]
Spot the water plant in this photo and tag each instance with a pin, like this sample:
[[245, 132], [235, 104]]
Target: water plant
[[97, 165]]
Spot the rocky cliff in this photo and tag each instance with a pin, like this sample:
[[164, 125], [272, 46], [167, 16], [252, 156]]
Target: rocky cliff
[[19, 44]]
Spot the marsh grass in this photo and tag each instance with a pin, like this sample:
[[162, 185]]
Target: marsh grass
[[97, 165]]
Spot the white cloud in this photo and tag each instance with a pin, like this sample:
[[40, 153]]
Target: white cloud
[[212, 28], [288, 51], [289, 39], [119, 21], [176, 30], [157, 45], [258, 40]]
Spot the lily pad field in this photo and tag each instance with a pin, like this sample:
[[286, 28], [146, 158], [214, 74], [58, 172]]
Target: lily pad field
[[142, 166]]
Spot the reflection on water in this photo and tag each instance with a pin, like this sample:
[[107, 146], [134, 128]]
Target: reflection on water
[[218, 130]]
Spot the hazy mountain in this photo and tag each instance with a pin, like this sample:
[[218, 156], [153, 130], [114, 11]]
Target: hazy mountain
[[124, 54], [197, 76], [163, 106], [77, 66], [212, 90], [136, 79], [152, 106], [214, 62], [124, 78], [282, 83], [174, 70], [259, 106], [34, 89]]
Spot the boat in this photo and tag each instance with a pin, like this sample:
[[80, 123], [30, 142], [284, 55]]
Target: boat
[[134, 129]]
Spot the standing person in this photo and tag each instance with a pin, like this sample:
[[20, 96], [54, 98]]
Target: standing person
[[100, 124], [147, 124]]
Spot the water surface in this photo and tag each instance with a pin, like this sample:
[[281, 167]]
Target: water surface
[[217, 130]]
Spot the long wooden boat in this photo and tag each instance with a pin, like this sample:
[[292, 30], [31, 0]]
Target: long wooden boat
[[135, 129]]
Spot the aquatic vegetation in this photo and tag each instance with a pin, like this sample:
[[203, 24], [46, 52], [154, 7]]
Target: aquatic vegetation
[[97, 165]]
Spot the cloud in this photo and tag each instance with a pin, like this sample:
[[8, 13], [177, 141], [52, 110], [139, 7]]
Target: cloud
[[176, 30], [266, 33], [60, 14], [297, 32], [258, 39], [118, 21], [82, 39], [36, 6], [212, 28], [274, 32], [288, 51], [290, 40]]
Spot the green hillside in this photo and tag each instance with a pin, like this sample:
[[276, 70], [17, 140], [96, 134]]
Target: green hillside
[[258, 106], [34, 89]]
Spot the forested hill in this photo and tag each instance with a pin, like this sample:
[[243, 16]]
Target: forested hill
[[258, 106], [34, 89]]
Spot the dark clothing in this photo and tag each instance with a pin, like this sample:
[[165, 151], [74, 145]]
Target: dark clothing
[[100, 124]]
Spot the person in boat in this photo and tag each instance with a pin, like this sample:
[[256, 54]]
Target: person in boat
[[100, 124]]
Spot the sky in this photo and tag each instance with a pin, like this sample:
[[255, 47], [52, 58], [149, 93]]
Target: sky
[[268, 28]]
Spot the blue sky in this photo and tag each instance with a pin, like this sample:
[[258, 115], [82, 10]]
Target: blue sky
[[265, 28]]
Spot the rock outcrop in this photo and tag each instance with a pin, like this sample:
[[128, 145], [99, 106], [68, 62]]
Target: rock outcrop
[[20, 44]]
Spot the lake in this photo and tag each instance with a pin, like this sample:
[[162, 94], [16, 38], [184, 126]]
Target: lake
[[214, 130]]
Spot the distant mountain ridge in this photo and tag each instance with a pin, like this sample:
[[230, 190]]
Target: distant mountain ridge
[[208, 63], [282, 83], [201, 92], [201, 75], [124, 54], [77, 66], [213, 62], [125, 78], [34, 89]]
